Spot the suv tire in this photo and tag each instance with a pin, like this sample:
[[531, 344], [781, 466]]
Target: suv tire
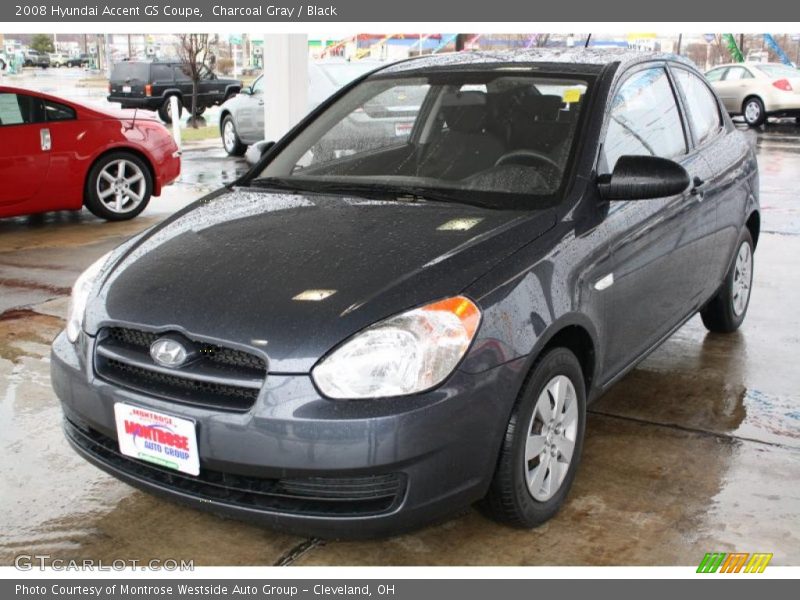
[[165, 112]]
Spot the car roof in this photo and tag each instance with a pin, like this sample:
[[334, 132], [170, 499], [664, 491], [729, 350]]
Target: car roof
[[592, 58]]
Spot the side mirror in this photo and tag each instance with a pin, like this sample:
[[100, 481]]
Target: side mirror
[[643, 178]]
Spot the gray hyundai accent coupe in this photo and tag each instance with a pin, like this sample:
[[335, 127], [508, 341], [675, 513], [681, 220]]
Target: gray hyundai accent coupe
[[356, 339]]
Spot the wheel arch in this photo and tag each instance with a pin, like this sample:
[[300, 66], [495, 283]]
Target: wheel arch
[[225, 113], [576, 333], [130, 150], [753, 223], [750, 97]]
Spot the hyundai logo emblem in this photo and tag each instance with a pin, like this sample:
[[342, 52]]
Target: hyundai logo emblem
[[168, 352]]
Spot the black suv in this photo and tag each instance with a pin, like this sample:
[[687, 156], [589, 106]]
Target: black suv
[[82, 60], [149, 85]]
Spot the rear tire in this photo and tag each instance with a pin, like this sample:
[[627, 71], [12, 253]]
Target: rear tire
[[534, 473], [119, 187], [165, 110], [726, 311], [755, 115], [230, 139]]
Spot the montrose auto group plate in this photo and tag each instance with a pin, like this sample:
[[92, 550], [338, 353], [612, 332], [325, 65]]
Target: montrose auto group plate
[[157, 438]]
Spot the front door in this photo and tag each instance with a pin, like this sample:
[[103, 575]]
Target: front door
[[24, 148], [250, 114], [658, 247]]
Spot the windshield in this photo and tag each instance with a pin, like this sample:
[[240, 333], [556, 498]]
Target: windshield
[[778, 71], [488, 138], [340, 74]]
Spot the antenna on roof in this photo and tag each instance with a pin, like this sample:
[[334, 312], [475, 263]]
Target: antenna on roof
[[588, 39]]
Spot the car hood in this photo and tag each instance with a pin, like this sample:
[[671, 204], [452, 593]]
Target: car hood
[[230, 268]]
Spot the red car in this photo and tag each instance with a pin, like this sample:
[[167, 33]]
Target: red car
[[59, 155]]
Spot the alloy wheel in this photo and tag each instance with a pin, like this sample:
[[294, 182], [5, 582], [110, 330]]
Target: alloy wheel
[[552, 433], [229, 136], [121, 186], [752, 111], [742, 279]]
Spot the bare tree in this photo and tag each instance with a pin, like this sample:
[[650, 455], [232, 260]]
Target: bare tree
[[194, 50]]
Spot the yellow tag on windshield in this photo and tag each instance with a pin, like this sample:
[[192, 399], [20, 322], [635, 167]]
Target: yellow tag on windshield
[[571, 96]]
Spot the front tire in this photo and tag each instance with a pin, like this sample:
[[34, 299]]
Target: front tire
[[119, 187], [726, 311], [542, 445], [230, 139], [755, 115]]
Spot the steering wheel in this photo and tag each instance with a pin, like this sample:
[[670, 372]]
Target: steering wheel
[[527, 156]]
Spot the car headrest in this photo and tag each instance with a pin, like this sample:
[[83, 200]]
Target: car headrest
[[542, 108], [465, 112]]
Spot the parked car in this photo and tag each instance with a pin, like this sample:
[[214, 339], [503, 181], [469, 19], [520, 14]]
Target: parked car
[[241, 121], [36, 59], [150, 85], [60, 155], [355, 345], [757, 90], [81, 60], [58, 60]]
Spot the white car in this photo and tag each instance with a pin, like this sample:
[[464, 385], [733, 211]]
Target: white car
[[757, 90], [58, 60], [241, 120]]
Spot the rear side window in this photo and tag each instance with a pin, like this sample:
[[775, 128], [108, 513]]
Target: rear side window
[[702, 105], [161, 73], [737, 73], [644, 119], [55, 111], [180, 74], [20, 109], [715, 74]]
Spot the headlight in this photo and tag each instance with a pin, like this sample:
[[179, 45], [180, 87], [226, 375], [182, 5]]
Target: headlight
[[80, 296], [405, 354]]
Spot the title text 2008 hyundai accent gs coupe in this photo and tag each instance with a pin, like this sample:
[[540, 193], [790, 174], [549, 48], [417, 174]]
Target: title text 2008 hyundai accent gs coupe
[[357, 340]]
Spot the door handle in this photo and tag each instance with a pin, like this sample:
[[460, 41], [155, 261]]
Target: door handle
[[697, 185], [261, 103], [44, 138]]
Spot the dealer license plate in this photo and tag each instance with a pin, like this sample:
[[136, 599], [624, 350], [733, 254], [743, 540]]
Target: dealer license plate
[[157, 438], [126, 89]]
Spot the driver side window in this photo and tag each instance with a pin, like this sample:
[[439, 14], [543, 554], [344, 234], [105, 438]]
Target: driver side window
[[644, 119], [20, 109]]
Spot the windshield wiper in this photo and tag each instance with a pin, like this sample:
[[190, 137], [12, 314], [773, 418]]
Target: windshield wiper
[[381, 191]]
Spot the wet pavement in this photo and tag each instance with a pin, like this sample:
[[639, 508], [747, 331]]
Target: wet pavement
[[696, 450]]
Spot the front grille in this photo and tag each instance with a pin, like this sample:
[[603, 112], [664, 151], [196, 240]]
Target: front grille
[[219, 378], [214, 353], [312, 496]]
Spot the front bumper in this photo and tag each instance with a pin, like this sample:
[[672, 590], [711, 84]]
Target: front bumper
[[352, 469]]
